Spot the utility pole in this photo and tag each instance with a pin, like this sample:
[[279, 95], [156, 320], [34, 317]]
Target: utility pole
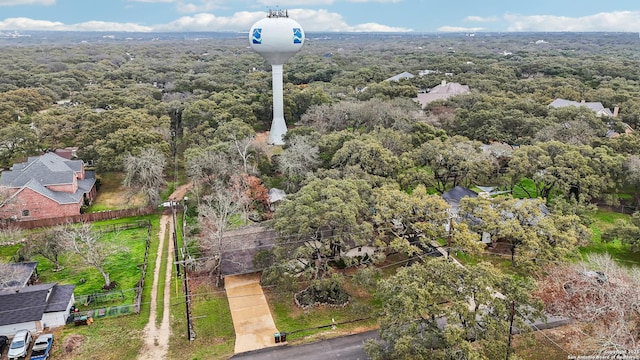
[[511, 316], [175, 237], [449, 237], [190, 334]]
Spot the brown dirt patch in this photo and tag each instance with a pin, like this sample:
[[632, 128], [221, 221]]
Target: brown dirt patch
[[72, 343], [181, 191]]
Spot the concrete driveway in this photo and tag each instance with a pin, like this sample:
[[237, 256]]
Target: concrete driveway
[[250, 312]]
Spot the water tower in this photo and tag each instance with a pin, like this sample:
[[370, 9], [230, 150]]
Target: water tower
[[276, 38]]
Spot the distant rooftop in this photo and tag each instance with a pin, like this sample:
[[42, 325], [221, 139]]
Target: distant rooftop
[[596, 107]]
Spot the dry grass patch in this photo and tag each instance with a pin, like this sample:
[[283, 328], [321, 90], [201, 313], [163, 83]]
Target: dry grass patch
[[113, 196]]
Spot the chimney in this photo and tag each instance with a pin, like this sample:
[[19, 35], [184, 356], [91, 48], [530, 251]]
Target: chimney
[[615, 111], [443, 83]]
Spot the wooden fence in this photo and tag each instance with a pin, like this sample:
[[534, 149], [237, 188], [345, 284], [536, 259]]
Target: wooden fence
[[88, 217]]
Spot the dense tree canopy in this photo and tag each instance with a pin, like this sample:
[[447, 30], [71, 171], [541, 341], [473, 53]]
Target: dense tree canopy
[[440, 310], [324, 217]]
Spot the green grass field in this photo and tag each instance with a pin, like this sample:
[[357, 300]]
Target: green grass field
[[123, 266], [213, 327], [603, 220], [110, 338]]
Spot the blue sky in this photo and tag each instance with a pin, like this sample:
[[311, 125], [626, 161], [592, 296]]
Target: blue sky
[[323, 15]]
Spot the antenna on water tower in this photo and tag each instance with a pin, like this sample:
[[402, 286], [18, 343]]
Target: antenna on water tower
[[276, 38]]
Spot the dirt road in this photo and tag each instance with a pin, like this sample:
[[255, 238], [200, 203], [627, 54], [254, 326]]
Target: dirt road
[[156, 339]]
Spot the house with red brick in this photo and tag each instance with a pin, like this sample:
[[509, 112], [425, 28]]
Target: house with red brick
[[46, 186]]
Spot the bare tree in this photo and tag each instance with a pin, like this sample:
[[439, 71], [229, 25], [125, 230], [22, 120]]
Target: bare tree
[[5, 194], [602, 296], [10, 234], [243, 147], [208, 166], [299, 158], [83, 241], [215, 212], [144, 173], [48, 245]]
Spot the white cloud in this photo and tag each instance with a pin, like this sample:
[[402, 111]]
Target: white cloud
[[311, 20], [323, 20], [200, 6], [154, 1], [623, 21], [240, 21], [480, 19], [285, 3], [30, 24], [376, 1], [459, 29], [26, 2]]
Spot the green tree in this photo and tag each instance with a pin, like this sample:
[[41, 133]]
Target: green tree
[[370, 156], [526, 226], [17, 140], [455, 161], [626, 231], [440, 310], [321, 219]]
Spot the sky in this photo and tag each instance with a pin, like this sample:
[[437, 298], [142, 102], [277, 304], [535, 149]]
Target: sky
[[323, 15]]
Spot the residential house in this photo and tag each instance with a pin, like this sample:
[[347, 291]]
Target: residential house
[[614, 134], [46, 186], [35, 307], [21, 275], [455, 195], [596, 107], [442, 92], [453, 198], [401, 76]]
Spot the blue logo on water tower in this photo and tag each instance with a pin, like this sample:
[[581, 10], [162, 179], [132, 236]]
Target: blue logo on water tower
[[297, 36], [256, 38]]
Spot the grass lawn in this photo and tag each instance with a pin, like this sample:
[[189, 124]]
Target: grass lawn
[[604, 220], [123, 267], [161, 277], [304, 325], [214, 333], [8, 252], [111, 338], [528, 185], [213, 327], [112, 196]]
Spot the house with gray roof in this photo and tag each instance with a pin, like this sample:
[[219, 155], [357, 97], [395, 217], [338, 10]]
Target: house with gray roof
[[46, 186], [401, 76], [596, 107], [442, 91], [19, 274], [35, 307]]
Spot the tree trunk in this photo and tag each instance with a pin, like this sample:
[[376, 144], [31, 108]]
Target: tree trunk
[[105, 275], [513, 256]]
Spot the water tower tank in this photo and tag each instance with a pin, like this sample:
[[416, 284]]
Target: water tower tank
[[277, 38]]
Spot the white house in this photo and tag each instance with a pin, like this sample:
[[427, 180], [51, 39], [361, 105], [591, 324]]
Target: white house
[[35, 307]]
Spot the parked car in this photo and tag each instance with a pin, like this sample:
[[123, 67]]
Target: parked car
[[4, 341], [42, 347], [19, 345]]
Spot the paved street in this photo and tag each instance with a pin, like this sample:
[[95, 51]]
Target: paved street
[[343, 348]]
